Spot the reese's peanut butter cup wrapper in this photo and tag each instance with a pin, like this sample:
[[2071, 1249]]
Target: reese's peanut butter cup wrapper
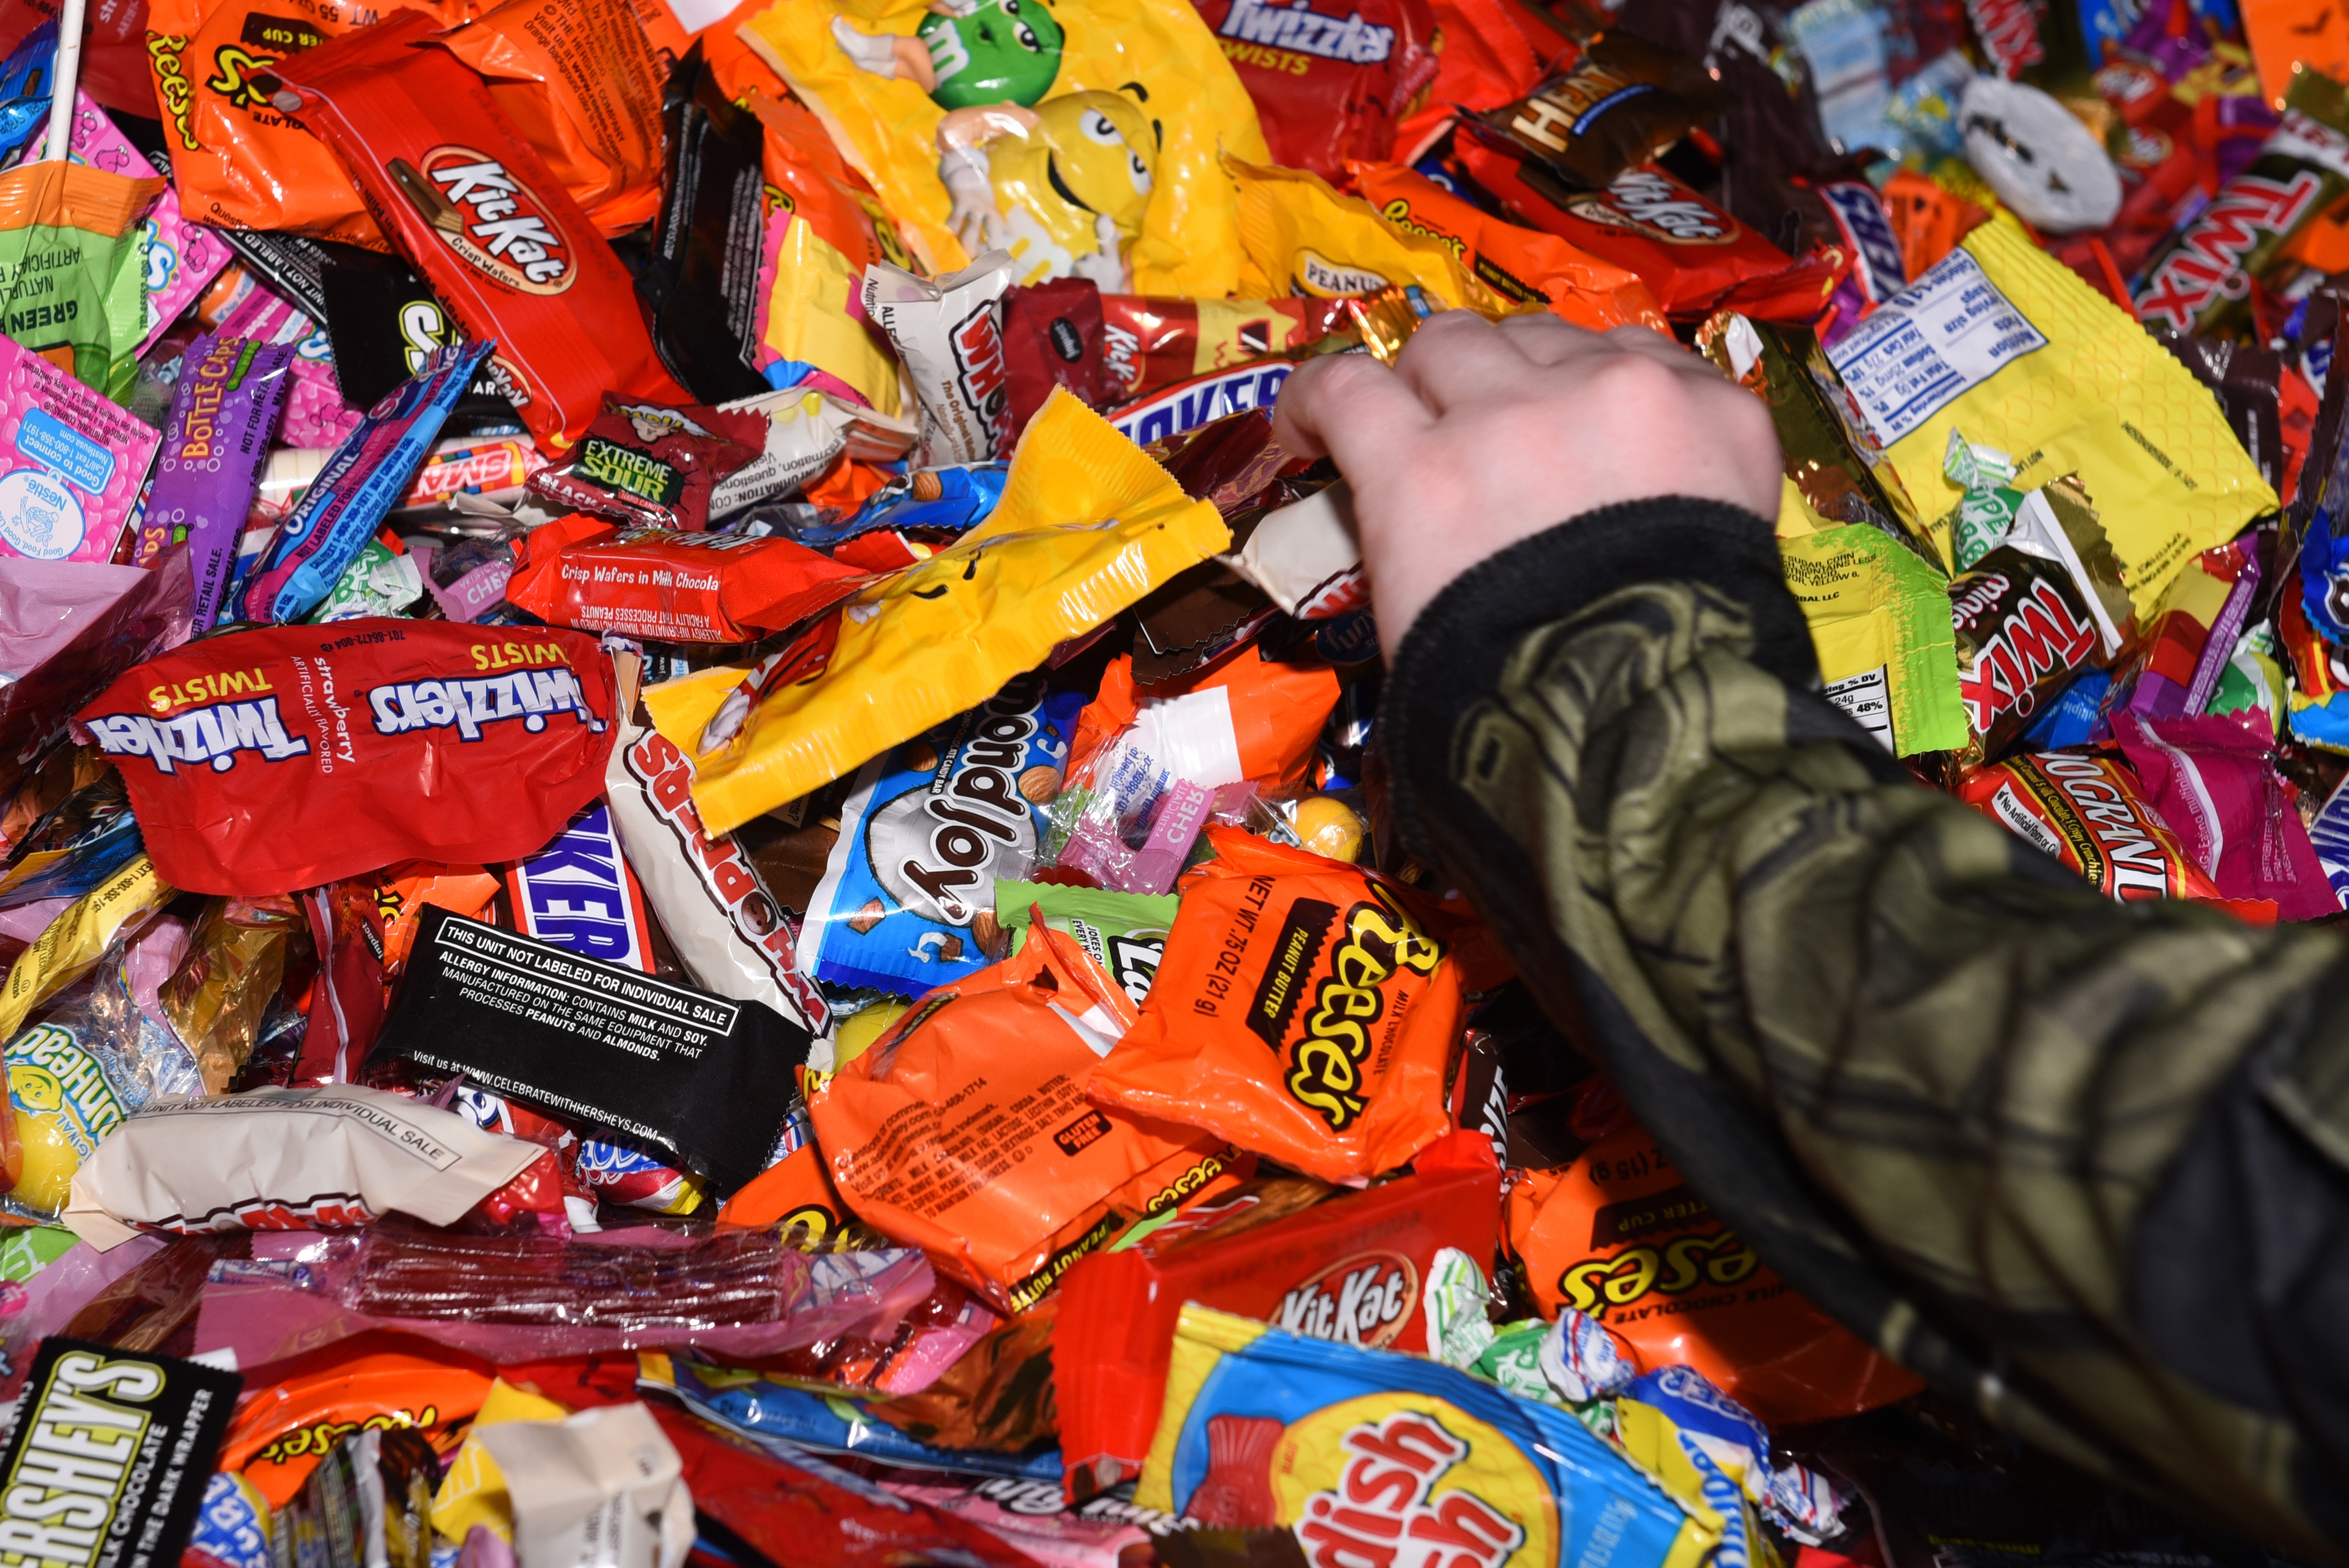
[[965, 1129], [1619, 1236], [1304, 1009]]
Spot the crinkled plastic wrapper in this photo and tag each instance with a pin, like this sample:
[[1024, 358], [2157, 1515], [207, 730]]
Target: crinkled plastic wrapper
[[1087, 526], [2048, 369], [862, 67]]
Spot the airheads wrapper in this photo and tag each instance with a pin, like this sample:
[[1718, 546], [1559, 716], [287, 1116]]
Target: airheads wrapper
[[357, 488], [1619, 1236], [2008, 346], [1356, 1450], [1880, 620], [1358, 1269], [965, 1129], [651, 465], [1124, 933], [908, 900], [73, 274], [700, 1078], [2202, 280], [674, 587], [887, 81], [483, 219], [73, 462], [2088, 813], [1087, 526], [2211, 782], [268, 760], [288, 1159], [223, 412], [730, 932], [1304, 1009]]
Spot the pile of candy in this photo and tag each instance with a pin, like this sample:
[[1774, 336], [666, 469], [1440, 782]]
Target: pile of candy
[[695, 865]]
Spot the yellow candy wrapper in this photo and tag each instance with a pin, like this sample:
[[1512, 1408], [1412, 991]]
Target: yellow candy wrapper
[[73, 942], [1879, 618], [1299, 236], [1081, 137], [1088, 525], [2006, 343]]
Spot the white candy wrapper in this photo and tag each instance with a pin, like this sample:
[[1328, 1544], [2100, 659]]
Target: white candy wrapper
[[729, 931], [1305, 556], [949, 333], [286, 1159], [604, 1489]]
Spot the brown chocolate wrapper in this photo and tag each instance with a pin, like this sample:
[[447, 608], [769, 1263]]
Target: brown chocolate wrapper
[[1625, 101], [2028, 620], [998, 1396]]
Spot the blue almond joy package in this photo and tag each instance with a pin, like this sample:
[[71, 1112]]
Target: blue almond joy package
[[908, 900]]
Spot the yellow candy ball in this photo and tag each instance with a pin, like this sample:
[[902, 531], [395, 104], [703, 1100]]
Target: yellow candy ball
[[1328, 827], [860, 1029]]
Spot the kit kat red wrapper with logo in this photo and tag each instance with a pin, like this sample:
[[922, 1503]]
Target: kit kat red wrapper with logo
[[264, 761], [499, 238]]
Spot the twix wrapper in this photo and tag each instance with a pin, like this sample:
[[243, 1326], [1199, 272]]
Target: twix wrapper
[[477, 212]]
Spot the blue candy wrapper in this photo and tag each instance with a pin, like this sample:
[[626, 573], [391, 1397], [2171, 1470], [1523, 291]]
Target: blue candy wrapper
[[233, 1523], [953, 499], [1372, 1456], [766, 1410], [361, 482], [930, 825]]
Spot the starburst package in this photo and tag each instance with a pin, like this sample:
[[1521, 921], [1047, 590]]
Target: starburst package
[[1082, 137]]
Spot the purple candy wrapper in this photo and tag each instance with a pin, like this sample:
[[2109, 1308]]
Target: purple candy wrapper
[[316, 414], [359, 485], [223, 411]]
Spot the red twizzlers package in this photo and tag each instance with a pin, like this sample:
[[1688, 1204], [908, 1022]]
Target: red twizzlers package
[[265, 761], [499, 238], [1330, 80]]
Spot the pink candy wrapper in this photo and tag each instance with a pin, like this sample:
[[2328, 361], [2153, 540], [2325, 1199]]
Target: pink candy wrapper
[[71, 463], [2210, 780], [181, 259], [316, 414]]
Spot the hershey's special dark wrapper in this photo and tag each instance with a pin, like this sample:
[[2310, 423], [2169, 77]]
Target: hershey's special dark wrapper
[[112, 1449], [703, 1080]]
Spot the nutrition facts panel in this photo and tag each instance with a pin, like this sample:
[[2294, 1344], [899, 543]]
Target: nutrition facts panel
[[1949, 332]]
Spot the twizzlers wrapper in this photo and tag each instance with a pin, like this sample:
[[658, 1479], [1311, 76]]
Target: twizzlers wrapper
[[470, 204], [223, 412], [268, 760], [2201, 281]]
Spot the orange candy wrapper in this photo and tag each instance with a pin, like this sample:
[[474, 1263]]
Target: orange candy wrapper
[[1304, 1009], [237, 161], [580, 81], [282, 1432], [1516, 263], [1618, 1235], [965, 1129]]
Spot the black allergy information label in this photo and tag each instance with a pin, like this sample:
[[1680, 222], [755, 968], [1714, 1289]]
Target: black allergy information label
[[603, 1045]]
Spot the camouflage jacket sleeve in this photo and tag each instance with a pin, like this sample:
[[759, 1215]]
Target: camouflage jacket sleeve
[[2082, 1165]]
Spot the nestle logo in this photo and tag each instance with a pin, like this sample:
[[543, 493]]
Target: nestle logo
[[1082, 1133]]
